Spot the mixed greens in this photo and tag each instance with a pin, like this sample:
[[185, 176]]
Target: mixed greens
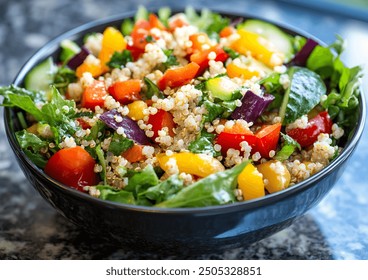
[[186, 110]]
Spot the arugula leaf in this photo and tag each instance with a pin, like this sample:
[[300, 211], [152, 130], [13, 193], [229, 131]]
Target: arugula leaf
[[25, 103], [164, 190], [215, 189], [35, 96], [303, 94], [119, 144], [31, 144], [97, 131], [288, 148], [119, 59], [112, 194], [63, 77], [152, 89], [203, 144]]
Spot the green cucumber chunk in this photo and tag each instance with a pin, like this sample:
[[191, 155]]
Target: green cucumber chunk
[[221, 87], [68, 50], [41, 77], [282, 41]]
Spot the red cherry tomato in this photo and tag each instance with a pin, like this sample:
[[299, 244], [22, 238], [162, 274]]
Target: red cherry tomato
[[73, 167], [317, 125]]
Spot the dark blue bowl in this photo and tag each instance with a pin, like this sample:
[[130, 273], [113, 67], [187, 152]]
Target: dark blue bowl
[[193, 229]]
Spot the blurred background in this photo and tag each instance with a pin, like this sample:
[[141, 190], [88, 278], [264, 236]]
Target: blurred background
[[30, 229]]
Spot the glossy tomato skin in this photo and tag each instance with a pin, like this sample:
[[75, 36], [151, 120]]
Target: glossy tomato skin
[[307, 136], [73, 167]]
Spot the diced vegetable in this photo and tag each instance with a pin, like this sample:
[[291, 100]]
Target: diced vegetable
[[41, 77], [250, 182], [130, 128], [200, 165], [73, 167], [301, 57], [68, 50], [273, 34], [253, 105], [94, 95], [317, 125], [78, 59], [221, 87], [276, 175], [246, 73], [216, 189], [134, 154], [162, 119], [259, 47], [267, 139], [126, 91], [232, 140], [178, 76], [136, 110]]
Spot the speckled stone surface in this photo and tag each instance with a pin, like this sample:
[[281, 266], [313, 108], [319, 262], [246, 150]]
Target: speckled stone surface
[[31, 229]]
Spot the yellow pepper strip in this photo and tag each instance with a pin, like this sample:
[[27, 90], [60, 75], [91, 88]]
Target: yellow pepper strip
[[200, 165], [136, 110], [250, 182], [276, 175], [234, 70], [94, 69], [258, 47], [112, 41]]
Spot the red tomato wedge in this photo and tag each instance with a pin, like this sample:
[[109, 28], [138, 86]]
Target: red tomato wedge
[[317, 125], [94, 95], [72, 167], [179, 76], [126, 92], [267, 139], [160, 120]]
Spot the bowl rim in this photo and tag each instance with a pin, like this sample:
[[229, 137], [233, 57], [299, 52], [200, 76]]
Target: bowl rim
[[53, 45]]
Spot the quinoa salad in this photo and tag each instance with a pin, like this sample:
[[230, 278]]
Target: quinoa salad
[[186, 110]]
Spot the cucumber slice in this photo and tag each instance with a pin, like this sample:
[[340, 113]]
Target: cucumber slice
[[282, 41], [41, 77], [222, 88], [68, 50]]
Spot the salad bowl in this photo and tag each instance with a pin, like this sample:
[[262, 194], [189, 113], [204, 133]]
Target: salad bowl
[[176, 229]]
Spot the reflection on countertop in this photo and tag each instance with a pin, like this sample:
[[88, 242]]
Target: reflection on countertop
[[31, 229]]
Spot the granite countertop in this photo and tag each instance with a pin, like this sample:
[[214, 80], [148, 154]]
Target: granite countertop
[[31, 229]]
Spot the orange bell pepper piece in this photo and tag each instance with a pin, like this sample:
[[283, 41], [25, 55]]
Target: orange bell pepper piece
[[234, 70], [126, 92], [134, 154], [94, 95], [178, 76]]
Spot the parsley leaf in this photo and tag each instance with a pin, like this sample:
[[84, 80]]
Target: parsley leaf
[[119, 144], [120, 59]]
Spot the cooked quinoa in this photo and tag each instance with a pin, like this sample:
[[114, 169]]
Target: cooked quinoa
[[171, 101]]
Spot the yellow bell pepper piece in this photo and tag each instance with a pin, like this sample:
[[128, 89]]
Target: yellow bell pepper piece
[[136, 110], [112, 41], [94, 69], [246, 73], [250, 182], [276, 175], [200, 165], [258, 47]]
